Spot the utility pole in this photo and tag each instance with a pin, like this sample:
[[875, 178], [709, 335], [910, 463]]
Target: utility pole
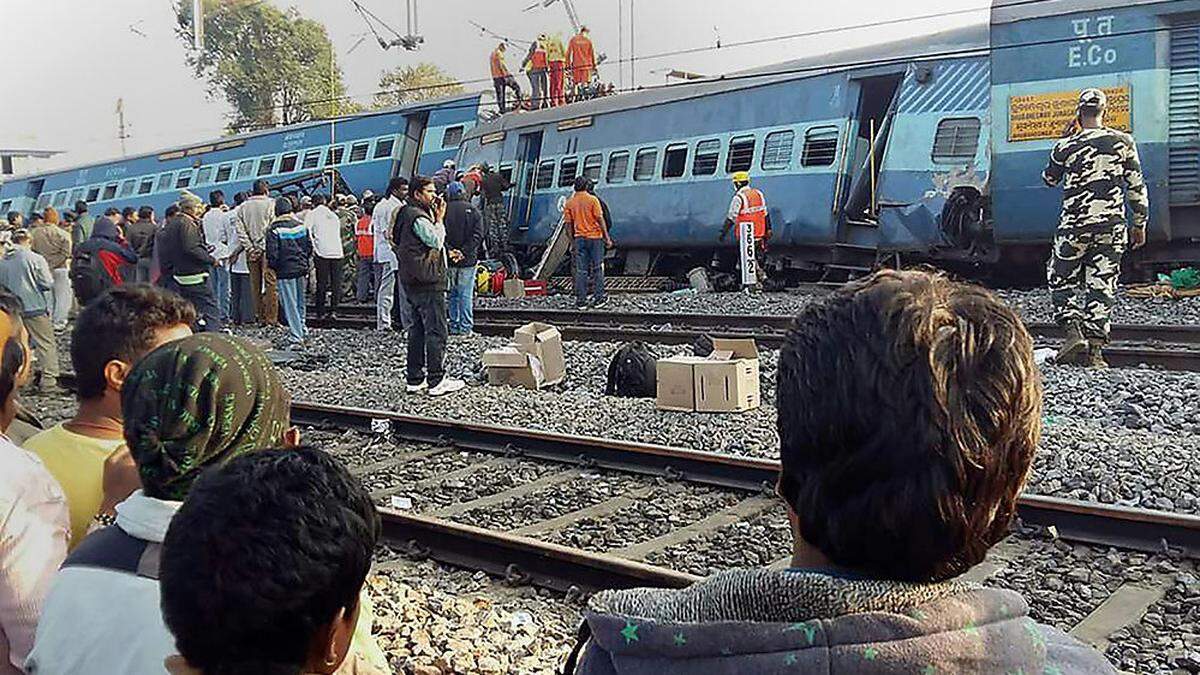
[[198, 24], [121, 124], [632, 54]]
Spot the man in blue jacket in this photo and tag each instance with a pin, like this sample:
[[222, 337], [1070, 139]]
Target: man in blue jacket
[[27, 275], [289, 250]]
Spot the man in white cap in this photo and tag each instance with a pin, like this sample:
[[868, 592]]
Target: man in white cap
[[1099, 170]]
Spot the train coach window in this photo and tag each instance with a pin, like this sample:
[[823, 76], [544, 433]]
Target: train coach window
[[184, 179], [545, 175], [110, 191], [146, 187], [287, 163], [643, 165], [820, 146], [358, 151], [675, 161], [60, 199], [566, 173], [311, 159], [452, 137], [127, 188], [334, 156], [204, 176], [93, 194], [245, 168], [618, 167], [777, 149], [384, 146], [591, 167], [5, 206], [224, 172], [741, 154], [506, 170], [956, 140], [708, 156], [78, 194], [44, 200], [266, 166]]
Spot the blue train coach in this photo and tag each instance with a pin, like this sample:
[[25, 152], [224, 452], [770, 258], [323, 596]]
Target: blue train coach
[[365, 149], [929, 149]]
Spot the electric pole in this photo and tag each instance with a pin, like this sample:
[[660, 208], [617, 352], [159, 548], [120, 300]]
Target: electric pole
[[121, 124]]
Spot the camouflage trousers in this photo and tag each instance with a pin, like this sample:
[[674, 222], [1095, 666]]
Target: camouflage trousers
[[1082, 276], [496, 218]]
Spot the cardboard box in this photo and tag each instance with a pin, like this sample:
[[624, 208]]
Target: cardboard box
[[514, 288], [543, 342], [725, 381], [534, 360]]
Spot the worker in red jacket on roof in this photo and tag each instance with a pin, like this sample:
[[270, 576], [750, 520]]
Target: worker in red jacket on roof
[[581, 57]]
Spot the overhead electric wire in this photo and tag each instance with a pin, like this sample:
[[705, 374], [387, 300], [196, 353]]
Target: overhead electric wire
[[776, 73]]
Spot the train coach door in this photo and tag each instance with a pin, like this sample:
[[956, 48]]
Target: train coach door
[[529, 150], [867, 145], [410, 150]]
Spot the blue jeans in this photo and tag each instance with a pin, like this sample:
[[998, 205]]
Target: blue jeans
[[462, 297], [291, 296], [589, 257], [218, 281]]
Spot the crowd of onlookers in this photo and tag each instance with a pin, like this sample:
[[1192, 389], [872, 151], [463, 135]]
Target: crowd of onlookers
[[175, 523]]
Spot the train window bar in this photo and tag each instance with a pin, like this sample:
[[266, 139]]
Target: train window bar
[[741, 154], [93, 193], [204, 175], [452, 137], [566, 172], [287, 163], [956, 140], [146, 187], [266, 166], [127, 187], [44, 200], [184, 179], [334, 155], [777, 149], [384, 147], [77, 195], [224, 172], [110, 191], [312, 159], [707, 158], [675, 160], [618, 166], [820, 146], [591, 167], [245, 167], [545, 175], [644, 164], [60, 200], [359, 151]]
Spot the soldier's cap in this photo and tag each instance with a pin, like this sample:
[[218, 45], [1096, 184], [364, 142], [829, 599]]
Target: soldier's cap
[[1092, 98]]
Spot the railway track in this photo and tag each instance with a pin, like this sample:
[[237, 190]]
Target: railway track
[[549, 459], [1170, 347]]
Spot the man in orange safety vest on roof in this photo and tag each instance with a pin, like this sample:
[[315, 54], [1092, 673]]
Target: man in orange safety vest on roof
[[503, 80], [748, 211], [581, 57]]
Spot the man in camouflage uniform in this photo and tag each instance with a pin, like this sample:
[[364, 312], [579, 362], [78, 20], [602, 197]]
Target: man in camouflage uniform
[[1099, 169]]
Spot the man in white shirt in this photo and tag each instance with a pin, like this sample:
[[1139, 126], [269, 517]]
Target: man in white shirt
[[216, 224], [390, 293], [34, 521], [325, 229]]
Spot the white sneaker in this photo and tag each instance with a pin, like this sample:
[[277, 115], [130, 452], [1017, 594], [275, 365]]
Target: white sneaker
[[446, 386], [416, 388]]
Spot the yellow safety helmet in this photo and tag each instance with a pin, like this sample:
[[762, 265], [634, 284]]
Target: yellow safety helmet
[[741, 177]]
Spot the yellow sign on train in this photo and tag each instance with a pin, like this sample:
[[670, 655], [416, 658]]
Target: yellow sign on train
[[1038, 117]]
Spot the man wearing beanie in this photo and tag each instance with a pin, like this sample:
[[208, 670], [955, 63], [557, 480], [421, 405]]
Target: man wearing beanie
[[186, 261]]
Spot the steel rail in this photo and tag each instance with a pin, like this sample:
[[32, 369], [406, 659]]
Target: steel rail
[[1090, 522], [520, 559]]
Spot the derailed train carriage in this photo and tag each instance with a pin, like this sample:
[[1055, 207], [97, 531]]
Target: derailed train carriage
[[925, 150]]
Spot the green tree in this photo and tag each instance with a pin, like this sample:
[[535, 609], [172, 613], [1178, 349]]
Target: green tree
[[405, 84], [273, 67]]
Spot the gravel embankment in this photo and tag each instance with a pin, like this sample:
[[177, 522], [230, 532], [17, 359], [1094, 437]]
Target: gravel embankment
[[1033, 305]]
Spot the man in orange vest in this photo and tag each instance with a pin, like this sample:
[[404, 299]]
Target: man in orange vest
[[502, 80], [557, 56], [749, 206], [581, 57], [535, 64]]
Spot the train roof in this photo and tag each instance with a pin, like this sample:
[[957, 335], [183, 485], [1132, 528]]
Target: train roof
[[408, 107], [957, 42], [1010, 11]]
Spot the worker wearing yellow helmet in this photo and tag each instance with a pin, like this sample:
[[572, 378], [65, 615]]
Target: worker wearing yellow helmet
[[749, 206]]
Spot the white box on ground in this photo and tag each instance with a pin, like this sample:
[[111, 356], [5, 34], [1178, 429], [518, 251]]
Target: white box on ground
[[534, 360], [725, 381]]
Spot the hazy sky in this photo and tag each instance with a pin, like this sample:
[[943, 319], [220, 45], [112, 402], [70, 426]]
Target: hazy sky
[[67, 61]]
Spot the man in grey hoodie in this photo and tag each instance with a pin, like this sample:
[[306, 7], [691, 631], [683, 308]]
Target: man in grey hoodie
[[909, 410], [27, 275]]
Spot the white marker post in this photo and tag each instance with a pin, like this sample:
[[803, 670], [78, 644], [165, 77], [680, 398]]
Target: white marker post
[[746, 249]]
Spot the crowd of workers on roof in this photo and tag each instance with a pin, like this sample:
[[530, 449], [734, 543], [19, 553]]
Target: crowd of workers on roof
[[557, 75]]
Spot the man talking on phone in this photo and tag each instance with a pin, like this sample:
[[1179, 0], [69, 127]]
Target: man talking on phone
[[1099, 170], [420, 236]]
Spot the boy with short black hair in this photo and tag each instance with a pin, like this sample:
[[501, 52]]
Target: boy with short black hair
[[909, 414]]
